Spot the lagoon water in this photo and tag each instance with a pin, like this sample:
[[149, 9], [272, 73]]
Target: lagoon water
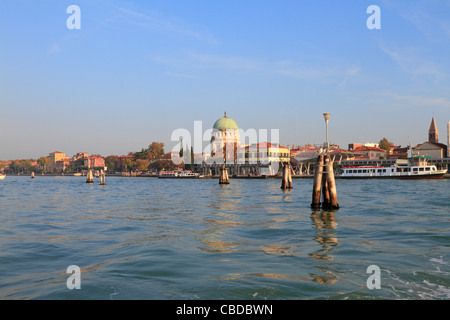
[[150, 238]]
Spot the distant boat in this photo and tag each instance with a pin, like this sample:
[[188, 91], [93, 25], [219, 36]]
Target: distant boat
[[168, 174], [2, 176], [180, 175], [78, 174], [415, 168]]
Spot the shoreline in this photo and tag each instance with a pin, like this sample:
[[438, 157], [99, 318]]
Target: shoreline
[[446, 176]]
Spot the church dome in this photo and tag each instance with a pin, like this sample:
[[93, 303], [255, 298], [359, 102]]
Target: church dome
[[225, 123]]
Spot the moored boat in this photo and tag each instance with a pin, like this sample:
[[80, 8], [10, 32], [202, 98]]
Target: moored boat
[[180, 175], [168, 174], [414, 168], [2, 176]]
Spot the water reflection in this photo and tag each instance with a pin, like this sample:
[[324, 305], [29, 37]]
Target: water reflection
[[326, 229], [224, 202]]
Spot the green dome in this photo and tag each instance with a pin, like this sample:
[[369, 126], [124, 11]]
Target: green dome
[[225, 123]]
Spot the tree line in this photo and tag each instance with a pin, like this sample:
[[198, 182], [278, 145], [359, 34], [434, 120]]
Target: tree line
[[149, 158]]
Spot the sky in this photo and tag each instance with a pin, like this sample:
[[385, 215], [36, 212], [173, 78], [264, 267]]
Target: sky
[[135, 71]]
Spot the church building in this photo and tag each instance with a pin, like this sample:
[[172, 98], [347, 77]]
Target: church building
[[432, 147]]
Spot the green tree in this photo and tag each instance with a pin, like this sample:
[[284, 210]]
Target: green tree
[[163, 164], [128, 164], [44, 162], [142, 164], [141, 154], [27, 165], [155, 150], [386, 146], [111, 162]]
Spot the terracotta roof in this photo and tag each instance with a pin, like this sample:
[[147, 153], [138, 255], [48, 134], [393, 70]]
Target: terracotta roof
[[437, 144], [266, 145], [359, 149]]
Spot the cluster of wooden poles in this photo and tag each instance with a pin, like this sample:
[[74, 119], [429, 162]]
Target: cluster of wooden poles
[[90, 177], [223, 177], [324, 184]]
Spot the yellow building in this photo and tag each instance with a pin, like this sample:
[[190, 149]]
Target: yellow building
[[263, 153], [55, 157]]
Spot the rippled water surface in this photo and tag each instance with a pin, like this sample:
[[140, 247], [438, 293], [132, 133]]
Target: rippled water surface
[[150, 238]]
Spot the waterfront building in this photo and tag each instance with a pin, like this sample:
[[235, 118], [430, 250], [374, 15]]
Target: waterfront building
[[432, 147], [261, 158], [264, 152], [225, 140], [59, 161], [56, 156], [352, 146], [266, 156], [94, 162], [397, 152], [307, 151], [61, 165], [369, 153], [121, 160], [80, 155]]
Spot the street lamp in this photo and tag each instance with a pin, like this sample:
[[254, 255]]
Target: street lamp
[[326, 116]]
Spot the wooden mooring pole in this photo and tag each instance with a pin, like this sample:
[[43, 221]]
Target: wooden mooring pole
[[325, 190], [223, 178], [315, 204], [333, 203], [102, 177], [286, 178], [89, 177]]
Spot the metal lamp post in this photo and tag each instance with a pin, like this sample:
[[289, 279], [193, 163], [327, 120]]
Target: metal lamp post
[[326, 116]]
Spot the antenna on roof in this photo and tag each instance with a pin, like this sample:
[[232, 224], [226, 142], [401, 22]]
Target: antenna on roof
[[409, 152]]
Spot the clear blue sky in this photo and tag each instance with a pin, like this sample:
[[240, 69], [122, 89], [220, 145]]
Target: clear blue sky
[[137, 70]]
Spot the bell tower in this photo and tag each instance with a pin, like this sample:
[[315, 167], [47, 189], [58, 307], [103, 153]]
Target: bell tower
[[433, 135]]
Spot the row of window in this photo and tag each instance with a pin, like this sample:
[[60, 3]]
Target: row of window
[[366, 170], [264, 154], [384, 170]]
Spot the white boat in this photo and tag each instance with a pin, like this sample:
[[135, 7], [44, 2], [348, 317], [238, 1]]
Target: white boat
[[2, 176], [189, 175], [168, 174], [179, 175], [413, 168]]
